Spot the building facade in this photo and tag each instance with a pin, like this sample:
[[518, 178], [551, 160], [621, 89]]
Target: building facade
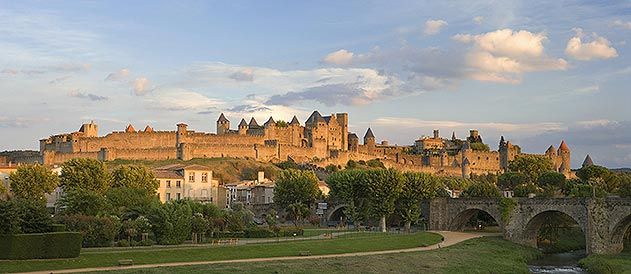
[[193, 182]]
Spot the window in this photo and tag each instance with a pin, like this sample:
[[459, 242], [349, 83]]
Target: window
[[204, 177], [169, 183], [178, 184], [168, 197], [191, 177], [177, 196]]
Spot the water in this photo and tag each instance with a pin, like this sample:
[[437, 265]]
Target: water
[[566, 263]]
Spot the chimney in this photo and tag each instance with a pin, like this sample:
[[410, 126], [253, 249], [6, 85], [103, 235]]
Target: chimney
[[261, 176]]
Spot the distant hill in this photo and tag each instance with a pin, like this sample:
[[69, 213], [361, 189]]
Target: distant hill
[[226, 170], [624, 169]]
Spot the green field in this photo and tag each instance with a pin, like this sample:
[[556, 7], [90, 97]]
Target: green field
[[604, 264], [482, 255], [366, 242]]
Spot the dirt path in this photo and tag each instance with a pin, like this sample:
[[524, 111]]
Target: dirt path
[[450, 238]]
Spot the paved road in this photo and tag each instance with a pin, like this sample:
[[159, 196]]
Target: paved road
[[450, 238]]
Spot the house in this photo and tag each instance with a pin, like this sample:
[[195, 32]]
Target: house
[[252, 192], [189, 182]]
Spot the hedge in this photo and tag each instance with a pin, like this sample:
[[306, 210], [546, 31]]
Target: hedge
[[40, 245], [259, 233], [96, 231]]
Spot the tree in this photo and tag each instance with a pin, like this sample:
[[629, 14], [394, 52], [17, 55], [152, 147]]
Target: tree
[[239, 218], [483, 190], [383, 187], [510, 180], [455, 183], [89, 174], [171, 223], [416, 187], [375, 163], [592, 171], [83, 202], [351, 164], [480, 147], [526, 189], [625, 185], [349, 186], [551, 182], [199, 226], [134, 176], [297, 212], [33, 215], [9, 217], [33, 181], [296, 186], [131, 202], [531, 166]]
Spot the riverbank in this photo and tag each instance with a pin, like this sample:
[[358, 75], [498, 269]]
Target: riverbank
[[605, 264], [481, 255]]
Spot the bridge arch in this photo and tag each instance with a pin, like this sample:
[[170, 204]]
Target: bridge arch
[[334, 213], [462, 217], [618, 232], [542, 217]]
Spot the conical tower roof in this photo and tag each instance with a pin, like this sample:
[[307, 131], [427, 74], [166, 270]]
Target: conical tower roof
[[550, 150], [453, 135], [243, 123], [294, 121], [148, 129], [369, 134], [222, 118], [315, 117], [270, 122], [588, 161], [563, 146], [130, 128], [253, 123]]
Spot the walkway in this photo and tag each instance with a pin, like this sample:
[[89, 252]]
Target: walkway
[[450, 238]]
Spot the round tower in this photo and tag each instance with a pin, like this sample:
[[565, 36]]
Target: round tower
[[223, 125], [466, 168], [564, 154], [243, 127]]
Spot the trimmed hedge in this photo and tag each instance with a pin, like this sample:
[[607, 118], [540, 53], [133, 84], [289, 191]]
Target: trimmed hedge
[[259, 233], [40, 245]]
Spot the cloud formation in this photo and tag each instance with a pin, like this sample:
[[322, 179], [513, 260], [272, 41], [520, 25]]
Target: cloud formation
[[622, 24], [88, 96], [340, 57], [434, 26], [598, 48], [245, 75], [121, 75], [142, 86], [478, 20], [504, 55], [181, 100]]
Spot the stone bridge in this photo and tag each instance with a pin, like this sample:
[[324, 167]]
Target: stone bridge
[[603, 221]]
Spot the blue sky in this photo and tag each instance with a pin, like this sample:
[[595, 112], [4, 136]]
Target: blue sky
[[534, 71]]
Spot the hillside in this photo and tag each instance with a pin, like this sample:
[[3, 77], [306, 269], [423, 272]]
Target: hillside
[[226, 170]]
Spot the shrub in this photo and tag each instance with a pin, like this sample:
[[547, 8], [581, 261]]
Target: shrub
[[228, 234], [171, 223], [147, 242], [40, 245], [123, 243], [259, 233], [58, 228], [96, 231], [290, 231]]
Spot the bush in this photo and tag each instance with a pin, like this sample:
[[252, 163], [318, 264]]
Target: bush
[[40, 245], [290, 231], [96, 231], [171, 223], [123, 243], [147, 242], [228, 234], [58, 227], [259, 233]]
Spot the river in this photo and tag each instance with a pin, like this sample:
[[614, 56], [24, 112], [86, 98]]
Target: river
[[566, 263]]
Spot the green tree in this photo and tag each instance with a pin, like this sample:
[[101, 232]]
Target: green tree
[[351, 164], [349, 186], [375, 163], [551, 182], [33, 181], [83, 202], [625, 185], [270, 218], [297, 212], [171, 223], [384, 187], [88, 174], [592, 171], [416, 187], [483, 190], [525, 189], [33, 215], [131, 202], [480, 147], [9, 217], [296, 186], [239, 218], [510, 180], [134, 176], [531, 166], [455, 183], [199, 226]]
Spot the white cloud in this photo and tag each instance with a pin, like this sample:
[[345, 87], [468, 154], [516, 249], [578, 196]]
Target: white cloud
[[526, 128], [597, 123], [142, 86], [622, 24], [180, 100], [120, 75], [504, 55], [478, 20], [340, 57], [434, 26], [598, 48]]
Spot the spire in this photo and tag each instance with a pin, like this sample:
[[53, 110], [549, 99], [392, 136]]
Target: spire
[[222, 118], [253, 123], [243, 123], [294, 121], [270, 122], [502, 141], [369, 134], [551, 150], [148, 129], [563, 147], [588, 161], [130, 128], [453, 135]]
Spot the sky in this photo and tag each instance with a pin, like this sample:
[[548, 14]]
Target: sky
[[536, 72]]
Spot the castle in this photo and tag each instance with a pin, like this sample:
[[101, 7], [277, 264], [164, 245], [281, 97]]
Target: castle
[[322, 140]]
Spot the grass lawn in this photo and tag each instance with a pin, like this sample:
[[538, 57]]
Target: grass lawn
[[602, 264], [310, 232], [372, 242], [482, 255]]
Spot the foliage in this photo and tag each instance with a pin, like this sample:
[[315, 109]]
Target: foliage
[[375, 163], [88, 174], [96, 231], [586, 189], [33, 181], [131, 202], [485, 190], [239, 218], [331, 168], [281, 123], [607, 264], [524, 190], [40, 246], [416, 187], [171, 223], [531, 166], [455, 183], [510, 180], [296, 186], [297, 212], [24, 216], [134, 176], [287, 165], [351, 164], [480, 147], [507, 205], [383, 187], [83, 202], [592, 171], [348, 186], [624, 190], [551, 182], [270, 218]]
